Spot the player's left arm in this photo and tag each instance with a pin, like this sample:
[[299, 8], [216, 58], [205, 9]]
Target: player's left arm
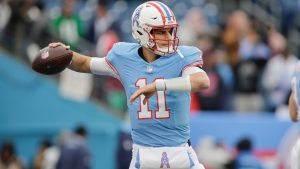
[[198, 78], [193, 79]]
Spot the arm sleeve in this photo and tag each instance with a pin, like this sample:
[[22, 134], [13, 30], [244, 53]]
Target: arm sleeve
[[191, 70], [99, 66]]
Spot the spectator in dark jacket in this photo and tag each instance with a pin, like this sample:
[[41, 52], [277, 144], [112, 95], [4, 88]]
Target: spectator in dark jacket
[[75, 153]]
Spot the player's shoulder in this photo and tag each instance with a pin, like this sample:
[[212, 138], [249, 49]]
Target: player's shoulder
[[123, 48], [189, 51]]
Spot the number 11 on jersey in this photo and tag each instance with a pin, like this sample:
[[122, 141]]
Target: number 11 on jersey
[[144, 112]]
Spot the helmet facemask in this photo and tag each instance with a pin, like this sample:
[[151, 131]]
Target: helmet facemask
[[165, 44]]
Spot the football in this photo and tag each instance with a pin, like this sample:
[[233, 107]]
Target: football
[[50, 60]]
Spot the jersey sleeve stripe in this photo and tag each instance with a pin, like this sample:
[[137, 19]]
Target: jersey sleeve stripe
[[112, 67], [196, 63]]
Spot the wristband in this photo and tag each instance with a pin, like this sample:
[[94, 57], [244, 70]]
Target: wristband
[[180, 84], [160, 85]]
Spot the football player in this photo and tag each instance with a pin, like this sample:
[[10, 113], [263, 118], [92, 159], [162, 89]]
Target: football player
[[295, 114], [158, 76]]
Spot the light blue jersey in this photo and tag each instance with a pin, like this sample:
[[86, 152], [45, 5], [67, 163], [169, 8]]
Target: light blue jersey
[[164, 119]]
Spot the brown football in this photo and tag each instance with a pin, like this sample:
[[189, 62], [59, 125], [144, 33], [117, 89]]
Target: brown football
[[51, 60]]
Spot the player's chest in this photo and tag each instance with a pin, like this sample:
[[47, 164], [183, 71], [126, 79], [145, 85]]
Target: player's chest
[[151, 71]]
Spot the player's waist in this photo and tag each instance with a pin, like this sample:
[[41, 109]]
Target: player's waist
[[186, 144], [156, 138]]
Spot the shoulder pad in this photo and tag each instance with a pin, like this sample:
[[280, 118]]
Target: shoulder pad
[[189, 51], [124, 48]]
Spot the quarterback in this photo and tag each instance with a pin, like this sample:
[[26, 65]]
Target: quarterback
[[158, 76]]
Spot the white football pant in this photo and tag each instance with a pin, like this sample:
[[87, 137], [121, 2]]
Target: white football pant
[[191, 152]]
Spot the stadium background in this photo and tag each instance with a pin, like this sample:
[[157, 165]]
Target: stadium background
[[250, 50]]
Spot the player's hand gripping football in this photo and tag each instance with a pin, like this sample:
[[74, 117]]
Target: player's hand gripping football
[[147, 91], [55, 44]]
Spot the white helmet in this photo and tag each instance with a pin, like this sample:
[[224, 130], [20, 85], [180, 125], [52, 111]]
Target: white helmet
[[150, 16]]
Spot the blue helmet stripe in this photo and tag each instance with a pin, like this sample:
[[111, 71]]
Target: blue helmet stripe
[[165, 8]]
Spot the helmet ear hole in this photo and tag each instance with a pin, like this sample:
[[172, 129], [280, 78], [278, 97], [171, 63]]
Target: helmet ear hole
[[150, 43]]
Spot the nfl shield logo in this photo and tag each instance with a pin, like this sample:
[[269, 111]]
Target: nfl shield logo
[[149, 69], [45, 53]]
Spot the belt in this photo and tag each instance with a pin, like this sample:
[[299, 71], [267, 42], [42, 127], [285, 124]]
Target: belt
[[189, 142]]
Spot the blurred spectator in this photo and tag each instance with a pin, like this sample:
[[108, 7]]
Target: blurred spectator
[[124, 151], [40, 33], [68, 24], [101, 22], [247, 55], [9, 158], [213, 154], [193, 25], [218, 96], [289, 10], [245, 157], [18, 19], [75, 153], [251, 47], [237, 26], [278, 73], [5, 13], [106, 41], [68, 85], [40, 156], [248, 75], [52, 153]]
